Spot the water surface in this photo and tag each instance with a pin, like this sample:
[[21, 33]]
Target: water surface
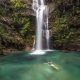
[[23, 66]]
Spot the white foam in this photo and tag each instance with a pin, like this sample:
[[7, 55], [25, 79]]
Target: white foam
[[38, 52], [41, 52], [49, 50]]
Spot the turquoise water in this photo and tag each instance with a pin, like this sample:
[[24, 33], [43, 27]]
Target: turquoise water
[[57, 65]]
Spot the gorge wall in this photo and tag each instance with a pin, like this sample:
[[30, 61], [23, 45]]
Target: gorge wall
[[17, 24]]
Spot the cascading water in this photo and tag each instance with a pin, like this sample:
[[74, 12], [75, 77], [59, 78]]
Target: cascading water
[[42, 31], [47, 33]]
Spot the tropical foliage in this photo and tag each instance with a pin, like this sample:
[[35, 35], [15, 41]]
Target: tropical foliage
[[16, 24]]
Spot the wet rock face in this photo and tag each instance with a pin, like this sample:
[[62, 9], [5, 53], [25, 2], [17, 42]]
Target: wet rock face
[[49, 1]]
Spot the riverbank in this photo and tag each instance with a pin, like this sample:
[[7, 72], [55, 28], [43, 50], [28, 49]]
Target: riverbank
[[8, 51]]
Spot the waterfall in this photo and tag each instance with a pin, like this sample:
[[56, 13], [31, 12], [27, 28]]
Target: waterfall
[[42, 30]]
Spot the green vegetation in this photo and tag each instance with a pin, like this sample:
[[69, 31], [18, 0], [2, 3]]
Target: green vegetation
[[14, 25], [66, 24], [16, 29]]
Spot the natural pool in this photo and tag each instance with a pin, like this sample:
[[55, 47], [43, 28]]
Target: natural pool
[[23, 66]]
